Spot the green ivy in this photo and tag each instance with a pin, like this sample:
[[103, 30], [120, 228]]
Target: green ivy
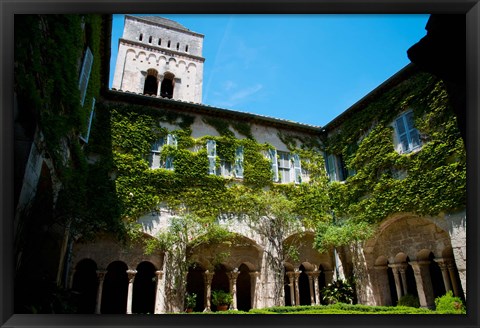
[[434, 178]]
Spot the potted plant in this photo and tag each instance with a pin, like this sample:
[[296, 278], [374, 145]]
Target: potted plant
[[221, 299], [190, 301]]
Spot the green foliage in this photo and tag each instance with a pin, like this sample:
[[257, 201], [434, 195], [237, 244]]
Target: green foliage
[[339, 291], [427, 182], [220, 297], [449, 304], [409, 300], [190, 300]]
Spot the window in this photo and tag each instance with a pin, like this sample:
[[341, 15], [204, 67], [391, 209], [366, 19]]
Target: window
[[212, 154], [239, 162], [151, 83], [155, 160], [272, 154], [140, 38], [408, 138], [92, 114], [159, 42], [297, 167], [284, 167], [150, 39], [336, 168], [85, 74], [168, 43], [186, 48], [178, 45], [166, 88]]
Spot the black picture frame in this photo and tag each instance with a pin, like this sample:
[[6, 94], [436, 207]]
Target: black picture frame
[[9, 8]]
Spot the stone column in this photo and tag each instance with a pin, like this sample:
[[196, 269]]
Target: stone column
[[296, 275], [451, 270], [101, 277], [291, 284], [402, 268], [233, 275], [328, 276], [383, 285], [131, 277], [208, 276], [315, 274], [158, 293], [253, 288], [424, 283], [445, 274], [398, 283], [310, 282]]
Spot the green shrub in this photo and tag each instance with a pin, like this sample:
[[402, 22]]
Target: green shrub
[[449, 304], [409, 300], [340, 291]]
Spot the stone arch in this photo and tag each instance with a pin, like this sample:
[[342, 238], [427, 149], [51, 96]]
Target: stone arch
[[220, 279], [115, 289], [141, 56], [408, 242], [182, 65], [196, 284], [305, 292], [167, 86], [150, 86], [244, 288], [303, 243], [144, 288], [162, 60], [85, 285], [151, 58]]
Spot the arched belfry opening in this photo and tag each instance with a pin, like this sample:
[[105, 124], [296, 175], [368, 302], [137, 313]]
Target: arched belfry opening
[[166, 89], [151, 83]]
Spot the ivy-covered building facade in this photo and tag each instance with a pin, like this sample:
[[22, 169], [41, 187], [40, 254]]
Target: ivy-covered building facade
[[153, 195]]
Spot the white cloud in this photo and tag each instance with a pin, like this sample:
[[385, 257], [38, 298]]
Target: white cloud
[[247, 92]]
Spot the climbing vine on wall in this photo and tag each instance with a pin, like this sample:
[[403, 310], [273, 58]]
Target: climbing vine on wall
[[427, 182]]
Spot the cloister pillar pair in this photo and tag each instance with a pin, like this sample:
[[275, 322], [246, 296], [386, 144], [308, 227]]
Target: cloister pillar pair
[[400, 277], [232, 276], [314, 287], [447, 266], [423, 280]]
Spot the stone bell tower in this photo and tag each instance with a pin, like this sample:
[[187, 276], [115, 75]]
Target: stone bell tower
[[159, 57]]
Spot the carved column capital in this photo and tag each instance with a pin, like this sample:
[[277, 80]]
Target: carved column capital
[[208, 277], [159, 274], [131, 275], [101, 274]]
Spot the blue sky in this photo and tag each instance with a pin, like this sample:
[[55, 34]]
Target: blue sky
[[304, 68]]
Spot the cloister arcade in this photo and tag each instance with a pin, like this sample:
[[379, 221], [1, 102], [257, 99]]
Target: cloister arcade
[[408, 255], [412, 255]]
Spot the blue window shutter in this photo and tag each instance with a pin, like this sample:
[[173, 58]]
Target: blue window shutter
[[171, 141], [239, 162], [154, 159], [92, 114], [273, 159], [85, 74], [297, 165], [331, 167], [407, 134], [402, 134], [211, 153], [414, 141]]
